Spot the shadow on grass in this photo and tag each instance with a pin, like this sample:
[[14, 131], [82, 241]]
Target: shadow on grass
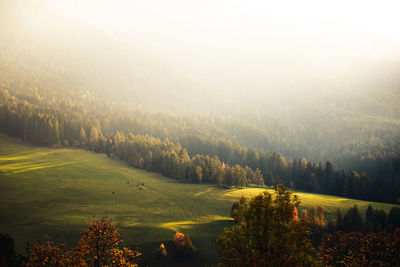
[[203, 237]]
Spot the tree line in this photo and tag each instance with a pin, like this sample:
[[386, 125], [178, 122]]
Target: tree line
[[211, 160], [351, 239]]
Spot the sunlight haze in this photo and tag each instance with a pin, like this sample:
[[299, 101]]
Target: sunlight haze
[[203, 38], [161, 17], [149, 119]]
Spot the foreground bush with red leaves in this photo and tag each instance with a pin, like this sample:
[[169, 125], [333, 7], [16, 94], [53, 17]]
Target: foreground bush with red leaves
[[357, 249], [98, 246]]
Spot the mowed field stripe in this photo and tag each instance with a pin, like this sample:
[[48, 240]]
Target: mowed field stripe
[[25, 167]]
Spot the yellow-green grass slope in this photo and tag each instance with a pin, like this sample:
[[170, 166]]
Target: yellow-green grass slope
[[57, 191]]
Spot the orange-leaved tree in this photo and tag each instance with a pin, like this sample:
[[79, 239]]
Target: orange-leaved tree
[[98, 246], [46, 252], [184, 246]]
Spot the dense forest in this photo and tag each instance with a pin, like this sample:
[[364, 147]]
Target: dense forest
[[192, 158]]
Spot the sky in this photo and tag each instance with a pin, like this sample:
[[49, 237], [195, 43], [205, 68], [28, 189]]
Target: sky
[[223, 41], [224, 45], [168, 18]]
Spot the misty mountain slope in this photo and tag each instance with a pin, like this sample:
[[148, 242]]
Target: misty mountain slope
[[88, 59], [280, 74], [311, 98]]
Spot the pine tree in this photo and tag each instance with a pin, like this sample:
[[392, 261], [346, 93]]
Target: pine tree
[[258, 178], [147, 161], [82, 137], [94, 137], [199, 174], [352, 221]]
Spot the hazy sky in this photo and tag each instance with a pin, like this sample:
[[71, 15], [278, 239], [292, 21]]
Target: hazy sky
[[212, 37], [229, 46], [170, 17]]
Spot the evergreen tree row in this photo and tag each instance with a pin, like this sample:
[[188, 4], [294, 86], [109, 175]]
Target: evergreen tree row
[[199, 159]]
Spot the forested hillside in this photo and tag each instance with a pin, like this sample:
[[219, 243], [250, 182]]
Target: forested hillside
[[98, 126]]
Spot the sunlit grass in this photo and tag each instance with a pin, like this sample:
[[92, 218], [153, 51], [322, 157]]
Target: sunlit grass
[[57, 191], [179, 226], [24, 167], [329, 203]]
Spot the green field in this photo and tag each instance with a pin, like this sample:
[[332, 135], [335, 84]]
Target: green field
[[57, 191]]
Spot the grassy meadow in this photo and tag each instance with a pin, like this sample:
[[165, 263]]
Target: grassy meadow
[[57, 191]]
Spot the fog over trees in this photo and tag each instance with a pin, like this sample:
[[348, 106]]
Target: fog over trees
[[257, 87]]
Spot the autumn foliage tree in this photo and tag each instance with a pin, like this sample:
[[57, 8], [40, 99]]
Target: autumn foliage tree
[[184, 246], [267, 232], [98, 246], [315, 219], [46, 252]]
